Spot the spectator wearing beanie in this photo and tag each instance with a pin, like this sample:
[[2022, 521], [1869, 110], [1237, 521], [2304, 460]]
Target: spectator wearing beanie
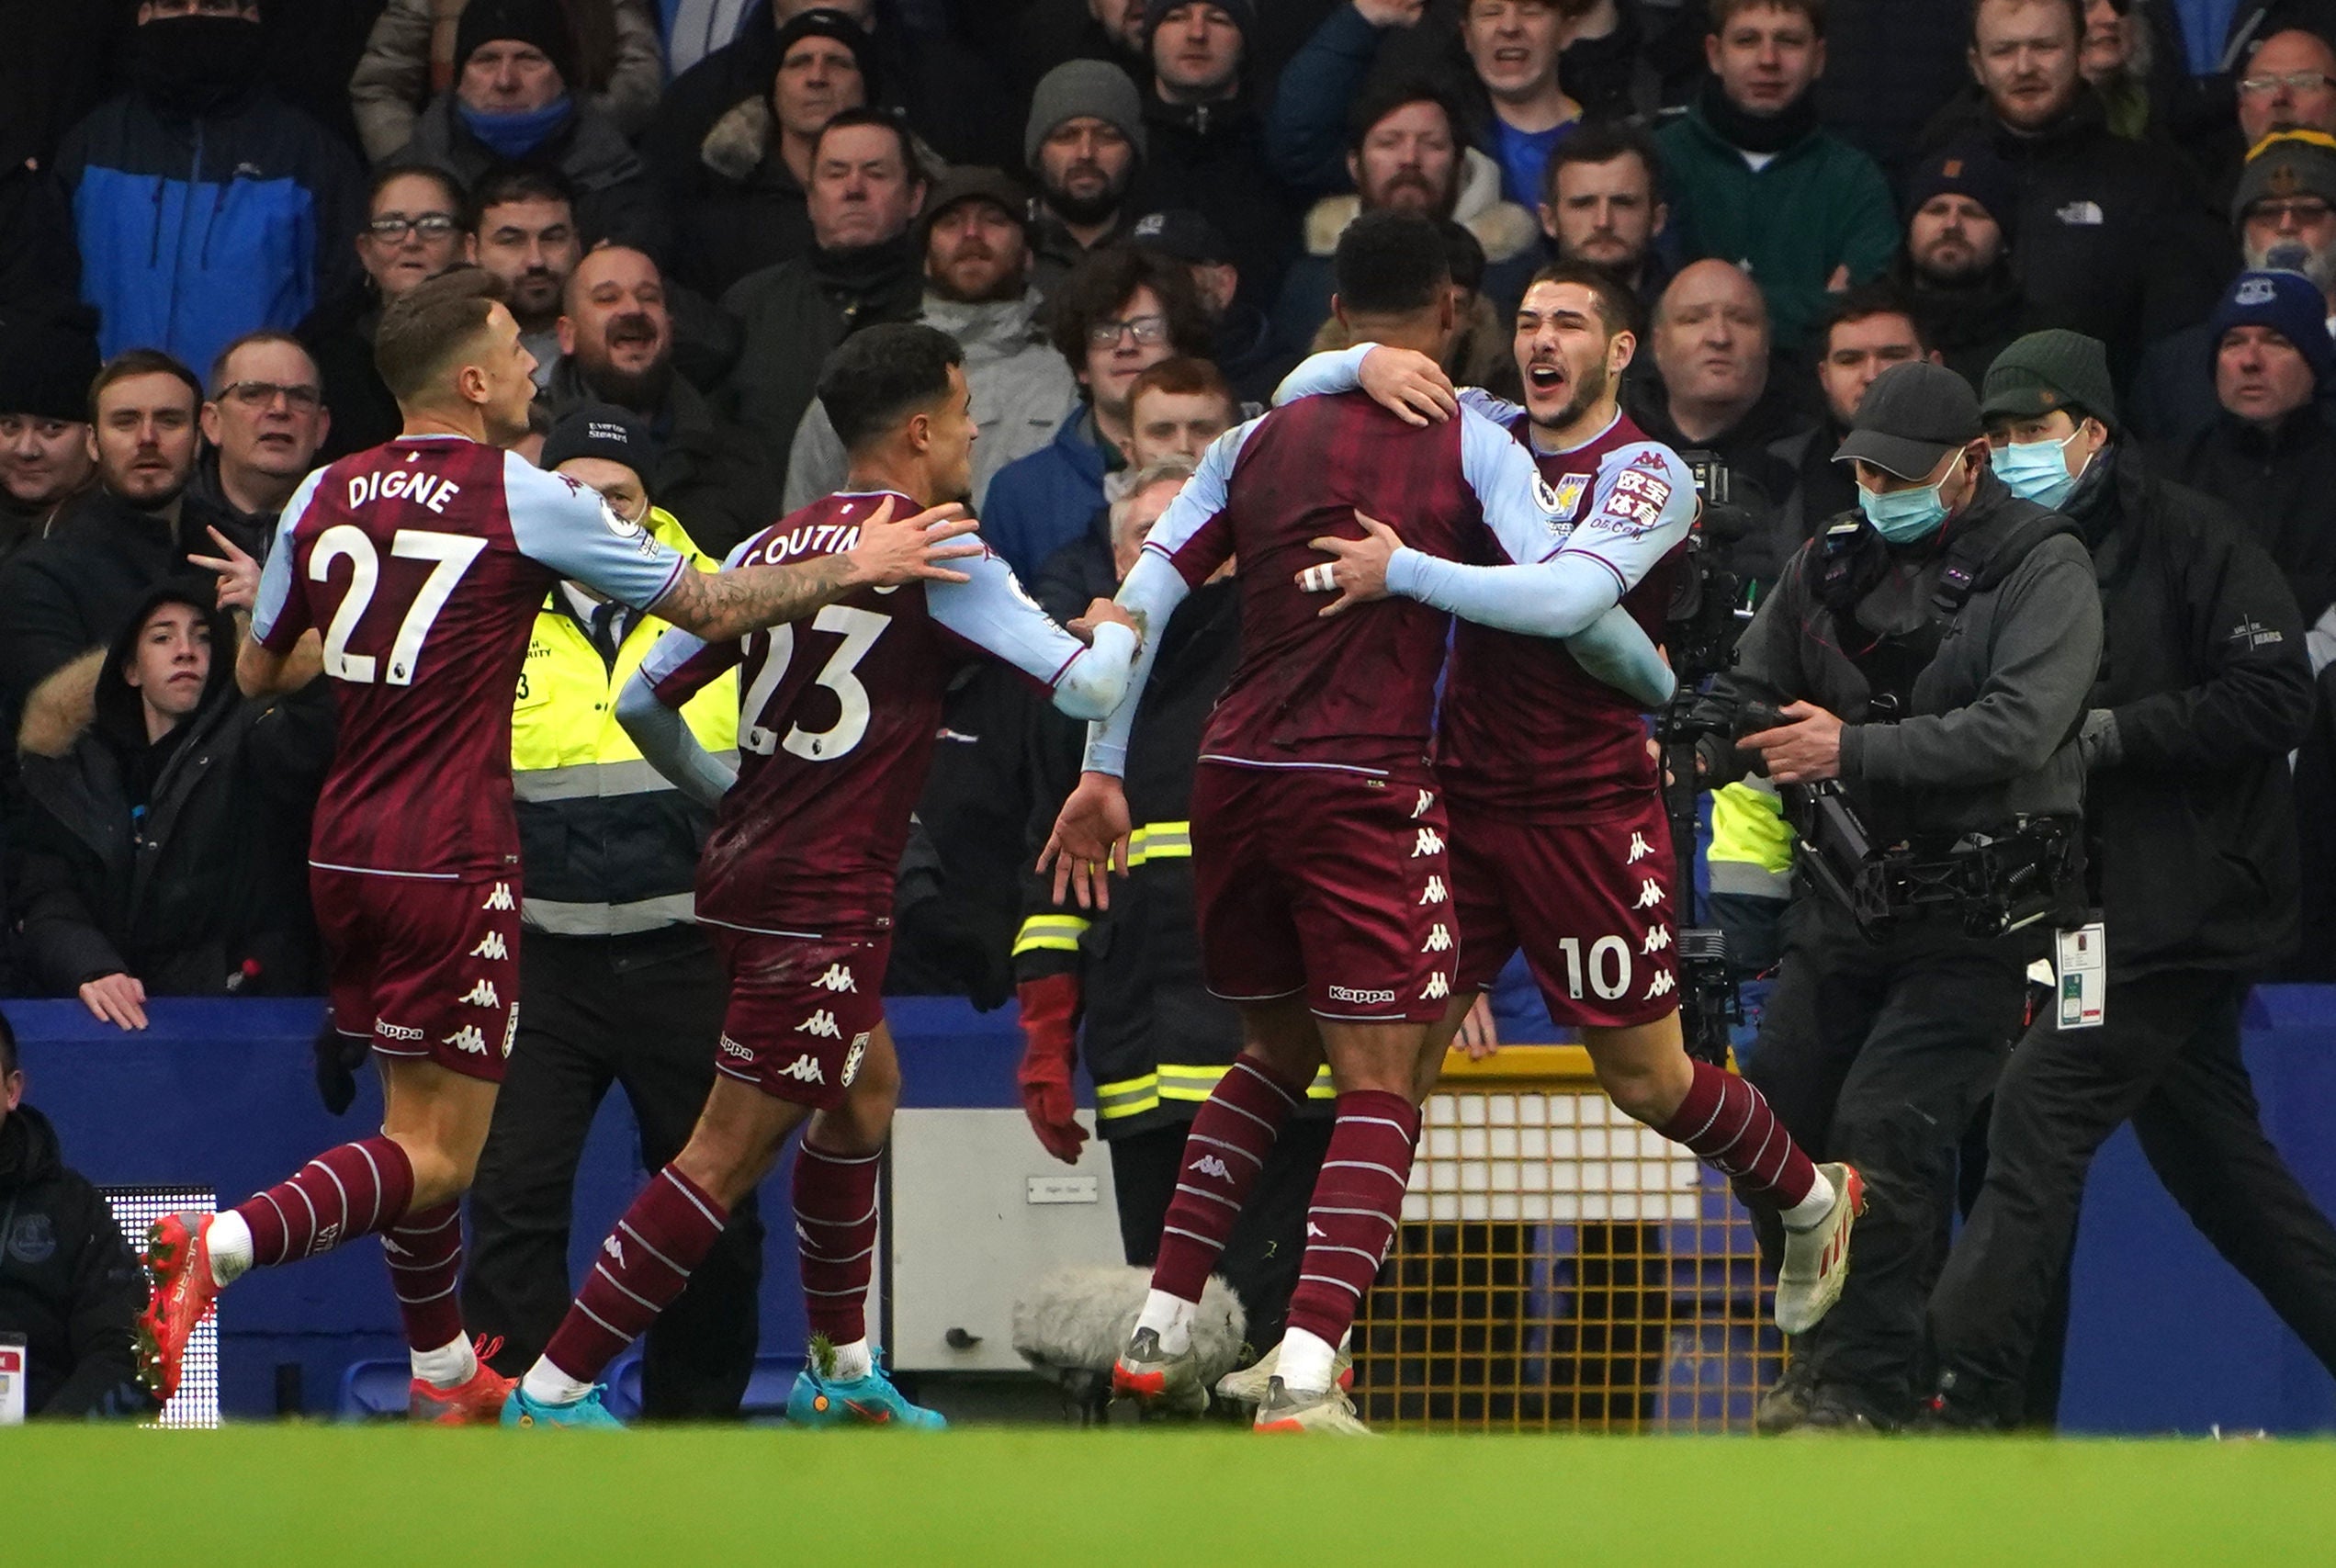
[[1083, 144], [45, 371], [738, 190], [1205, 140], [2283, 213], [513, 101], [1955, 266], [409, 58]]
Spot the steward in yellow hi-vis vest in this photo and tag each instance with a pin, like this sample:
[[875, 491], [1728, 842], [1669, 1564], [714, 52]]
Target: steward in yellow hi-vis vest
[[619, 983]]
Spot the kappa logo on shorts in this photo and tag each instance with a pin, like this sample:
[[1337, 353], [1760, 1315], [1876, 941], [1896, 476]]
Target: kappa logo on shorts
[[1639, 849], [1426, 801], [1657, 938], [851, 1057], [1429, 843], [804, 1069], [388, 1031], [820, 1024], [1650, 894], [1435, 893], [492, 945], [1438, 987], [1315, 1233], [1438, 940], [482, 995], [1661, 986], [468, 1040], [499, 898], [732, 1048], [1209, 1165], [1367, 998], [614, 1249], [837, 978]]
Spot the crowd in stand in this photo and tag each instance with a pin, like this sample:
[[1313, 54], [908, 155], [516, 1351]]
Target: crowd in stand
[[1124, 211]]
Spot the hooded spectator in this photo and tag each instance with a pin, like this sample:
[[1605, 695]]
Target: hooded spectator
[[1083, 144], [207, 207], [45, 459], [1955, 268], [163, 852], [512, 101], [1760, 182], [408, 58], [975, 229], [1603, 205], [417, 226], [262, 424], [866, 188]]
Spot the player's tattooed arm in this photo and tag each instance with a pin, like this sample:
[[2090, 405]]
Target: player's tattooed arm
[[722, 606]]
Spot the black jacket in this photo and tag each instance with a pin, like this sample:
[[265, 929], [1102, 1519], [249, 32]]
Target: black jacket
[[1968, 326], [179, 863], [2205, 689], [1147, 1012], [614, 197], [1210, 159], [2278, 482], [709, 476], [737, 208], [1761, 479], [68, 1281], [363, 413]]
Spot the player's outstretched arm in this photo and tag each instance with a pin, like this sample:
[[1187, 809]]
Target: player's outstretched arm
[[721, 606], [666, 740], [261, 672]]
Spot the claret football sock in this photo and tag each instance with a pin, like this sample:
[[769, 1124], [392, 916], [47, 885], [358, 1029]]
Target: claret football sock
[[1358, 1200], [356, 1190], [424, 1254], [643, 1265], [1728, 1122], [1222, 1156], [835, 1234]]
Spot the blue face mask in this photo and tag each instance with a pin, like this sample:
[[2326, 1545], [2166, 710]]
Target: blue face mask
[[1903, 516], [2037, 471], [516, 135]]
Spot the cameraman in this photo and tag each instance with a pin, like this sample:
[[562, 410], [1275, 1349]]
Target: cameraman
[[1930, 659], [2192, 851]]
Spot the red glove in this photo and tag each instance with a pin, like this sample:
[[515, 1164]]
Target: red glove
[[1050, 1006]]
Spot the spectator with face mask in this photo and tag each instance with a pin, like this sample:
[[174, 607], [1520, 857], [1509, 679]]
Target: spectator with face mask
[[513, 100], [262, 424], [417, 226], [45, 462], [1955, 268], [1083, 144], [205, 205], [1760, 182]]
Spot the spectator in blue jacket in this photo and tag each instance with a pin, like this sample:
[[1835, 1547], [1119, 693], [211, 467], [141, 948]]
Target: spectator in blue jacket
[[1120, 312], [206, 205]]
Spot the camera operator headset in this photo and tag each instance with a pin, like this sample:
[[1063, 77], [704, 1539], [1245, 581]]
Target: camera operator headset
[[1926, 664]]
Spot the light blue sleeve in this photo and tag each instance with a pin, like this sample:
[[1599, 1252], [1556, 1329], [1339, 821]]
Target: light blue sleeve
[[991, 610], [1151, 593], [1340, 370], [275, 573], [571, 529], [666, 741]]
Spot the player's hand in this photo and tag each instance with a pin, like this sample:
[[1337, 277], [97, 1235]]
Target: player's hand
[[239, 574], [1477, 1036], [120, 999], [1409, 385], [910, 550], [1358, 570], [1089, 843], [1098, 613], [1807, 750]]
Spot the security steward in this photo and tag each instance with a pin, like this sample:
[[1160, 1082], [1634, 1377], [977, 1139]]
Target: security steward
[[2192, 847], [1915, 684], [621, 985], [1156, 1040]]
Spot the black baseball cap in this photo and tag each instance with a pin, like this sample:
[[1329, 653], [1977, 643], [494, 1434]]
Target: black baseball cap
[[1181, 234], [603, 431], [1912, 416]]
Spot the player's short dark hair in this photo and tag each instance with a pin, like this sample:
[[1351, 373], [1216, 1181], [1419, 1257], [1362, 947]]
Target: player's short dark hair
[[423, 330], [1863, 303], [132, 362], [1107, 280], [514, 182], [458, 199], [1390, 263], [882, 121], [1618, 308], [2075, 9], [1380, 98], [1183, 376], [253, 340], [1726, 11], [1463, 255], [1602, 141], [880, 375]]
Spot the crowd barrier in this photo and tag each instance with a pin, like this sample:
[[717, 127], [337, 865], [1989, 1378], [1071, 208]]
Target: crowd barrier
[[217, 1096]]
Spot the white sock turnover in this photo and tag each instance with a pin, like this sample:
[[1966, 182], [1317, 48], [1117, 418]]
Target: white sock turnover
[[229, 1241], [1171, 1317], [1811, 1210], [1305, 1361], [448, 1366], [854, 1361], [547, 1385]]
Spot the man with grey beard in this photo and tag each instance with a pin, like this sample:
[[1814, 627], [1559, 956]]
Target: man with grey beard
[[2285, 217]]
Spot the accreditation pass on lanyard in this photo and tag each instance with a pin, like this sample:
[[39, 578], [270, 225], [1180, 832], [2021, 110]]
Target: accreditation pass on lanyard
[[2080, 965]]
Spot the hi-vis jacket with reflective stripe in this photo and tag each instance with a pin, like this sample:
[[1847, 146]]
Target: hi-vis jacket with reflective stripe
[[1155, 1041], [606, 846]]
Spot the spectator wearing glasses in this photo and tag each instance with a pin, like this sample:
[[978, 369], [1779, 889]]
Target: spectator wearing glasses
[[263, 421], [1120, 312], [45, 462], [414, 230], [2287, 83]]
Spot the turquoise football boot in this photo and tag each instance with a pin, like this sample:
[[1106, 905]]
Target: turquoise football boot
[[586, 1413], [820, 1399]]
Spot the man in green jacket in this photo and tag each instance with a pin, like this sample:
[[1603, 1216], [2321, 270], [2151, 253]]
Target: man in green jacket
[[1756, 182]]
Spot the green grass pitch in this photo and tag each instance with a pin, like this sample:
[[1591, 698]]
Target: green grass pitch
[[323, 1495]]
